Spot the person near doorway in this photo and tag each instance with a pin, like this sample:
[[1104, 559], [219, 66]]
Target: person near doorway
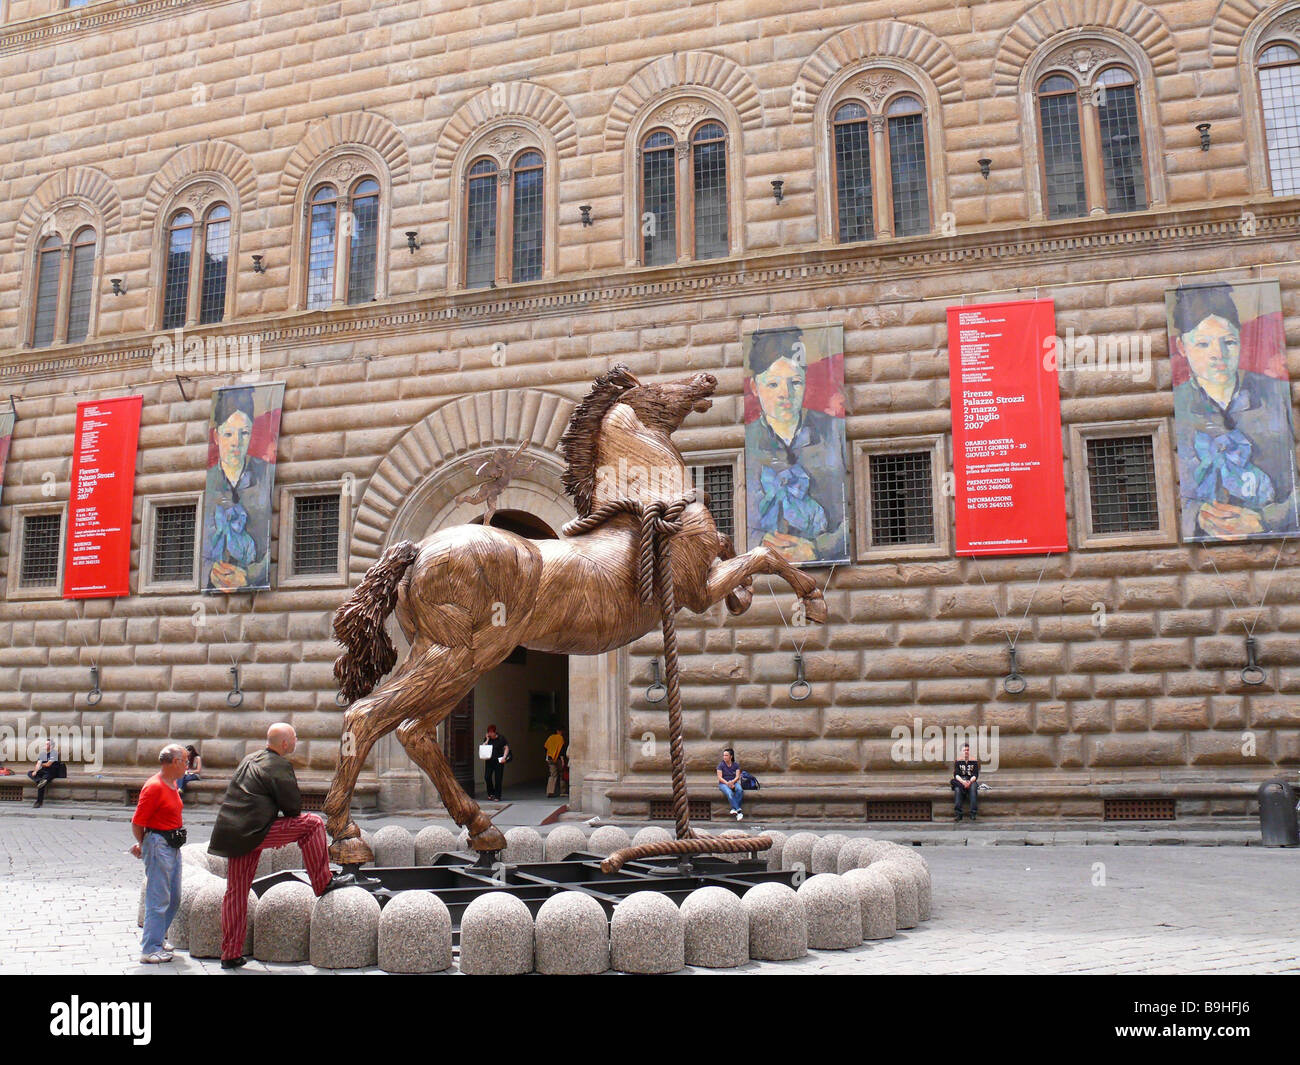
[[556, 746], [729, 782], [965, 782], [494, 766]]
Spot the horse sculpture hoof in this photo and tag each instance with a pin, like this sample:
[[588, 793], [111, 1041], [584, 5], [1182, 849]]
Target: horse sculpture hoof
[[353, 851], [490, 839], [814, 609], [739, 600]]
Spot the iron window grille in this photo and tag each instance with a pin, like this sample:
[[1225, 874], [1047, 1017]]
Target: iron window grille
[[719, 483], [173, 543], [315, 535], [1122, 484], [902, 498], [40, 560]]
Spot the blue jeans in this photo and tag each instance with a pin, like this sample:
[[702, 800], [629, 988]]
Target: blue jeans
[[162, 894], [180, 785], [735, 793], [971, 796]]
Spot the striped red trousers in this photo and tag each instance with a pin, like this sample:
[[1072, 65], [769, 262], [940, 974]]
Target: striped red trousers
[[306, 830]]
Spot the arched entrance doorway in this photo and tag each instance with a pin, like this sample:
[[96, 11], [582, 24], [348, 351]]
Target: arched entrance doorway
[[526, 697]]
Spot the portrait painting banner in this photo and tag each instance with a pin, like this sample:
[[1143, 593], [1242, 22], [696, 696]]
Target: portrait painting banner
[[796, 467], [97, 558], [243, 434], [6, 434], [1006, 428], [1232, 412]]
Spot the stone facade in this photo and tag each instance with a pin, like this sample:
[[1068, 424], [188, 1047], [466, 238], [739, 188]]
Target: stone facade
[[118, 111]]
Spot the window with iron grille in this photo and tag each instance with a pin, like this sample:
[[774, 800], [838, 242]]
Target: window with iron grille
[[902, 498], [710, 191], [909, 184], [658, 200], [1121, 142], [315, 535], [1279, 88], [40, 558], [1122, 484], [1058, 115], [719, 483], [173, 543]]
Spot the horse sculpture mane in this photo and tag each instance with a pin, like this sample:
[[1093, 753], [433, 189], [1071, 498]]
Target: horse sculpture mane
[[581, 437]]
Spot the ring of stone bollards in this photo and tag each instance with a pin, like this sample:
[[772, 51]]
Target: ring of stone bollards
[[849, 891]]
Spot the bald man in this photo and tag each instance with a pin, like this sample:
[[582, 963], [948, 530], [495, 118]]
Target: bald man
[[263, 808]]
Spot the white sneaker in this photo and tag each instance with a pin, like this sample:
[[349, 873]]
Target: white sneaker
[[156, 958], [167, 946], [739, 816]]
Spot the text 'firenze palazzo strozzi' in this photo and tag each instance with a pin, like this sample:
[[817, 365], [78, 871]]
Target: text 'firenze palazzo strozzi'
[[434, 224]]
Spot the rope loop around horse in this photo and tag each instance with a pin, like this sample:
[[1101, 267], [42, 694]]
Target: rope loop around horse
[[660, 520]]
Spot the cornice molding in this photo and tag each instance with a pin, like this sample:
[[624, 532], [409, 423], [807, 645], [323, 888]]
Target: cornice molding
[[804, 268], [69, 23]]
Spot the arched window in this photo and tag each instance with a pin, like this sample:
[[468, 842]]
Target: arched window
[[1091, 143], [481, 225], [658, 199], [709, 191], [196, 267], [176, 273], [909, 182], [1058, 120], [320, 247], [1279, 90], [49, 257], [216, 264], [526, 240], [79, 289], [342, 244], [505, 217], [851, 138], [878, 159]]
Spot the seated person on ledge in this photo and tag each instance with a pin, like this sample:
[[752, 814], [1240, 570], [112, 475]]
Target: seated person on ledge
[[965, 781]]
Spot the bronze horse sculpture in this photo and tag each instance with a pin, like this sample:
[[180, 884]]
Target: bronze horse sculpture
[[466, 596]]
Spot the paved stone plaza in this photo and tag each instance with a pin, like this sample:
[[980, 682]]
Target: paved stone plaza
[[999, 906]]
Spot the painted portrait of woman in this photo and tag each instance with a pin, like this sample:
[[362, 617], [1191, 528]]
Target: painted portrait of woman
[[237, 502], [795, 453], [1232, 412]]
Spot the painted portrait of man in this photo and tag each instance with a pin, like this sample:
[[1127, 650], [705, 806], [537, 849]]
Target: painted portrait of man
[[237, 501], [1232, 412], [795, 452]]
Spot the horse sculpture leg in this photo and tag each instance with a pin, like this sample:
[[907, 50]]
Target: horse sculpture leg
[[420, 738], [728, 577], [425, 680]]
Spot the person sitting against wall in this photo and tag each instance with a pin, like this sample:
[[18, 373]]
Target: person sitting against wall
[[729, 782], [48, 767], [193, 767], [965, 783]]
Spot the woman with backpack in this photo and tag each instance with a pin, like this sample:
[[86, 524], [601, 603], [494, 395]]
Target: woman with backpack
[[729, 782]]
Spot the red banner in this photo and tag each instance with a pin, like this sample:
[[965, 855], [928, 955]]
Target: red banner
[[98, 560], [1006, 428]]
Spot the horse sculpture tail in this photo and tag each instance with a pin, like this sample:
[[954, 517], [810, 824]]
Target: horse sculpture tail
[[359, 623]]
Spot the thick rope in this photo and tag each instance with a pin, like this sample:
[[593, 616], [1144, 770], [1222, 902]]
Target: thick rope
[[660, 521]]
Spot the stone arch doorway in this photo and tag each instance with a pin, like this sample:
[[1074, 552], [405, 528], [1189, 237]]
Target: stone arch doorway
[[415, 491], [526, 697]]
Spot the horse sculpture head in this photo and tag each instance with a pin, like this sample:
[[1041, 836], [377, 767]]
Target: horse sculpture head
[[618, 440]]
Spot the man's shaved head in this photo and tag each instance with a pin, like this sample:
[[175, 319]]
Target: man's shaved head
[[281, 738]]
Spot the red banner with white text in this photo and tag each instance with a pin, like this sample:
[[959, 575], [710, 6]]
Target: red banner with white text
[[1006, 428], [98, 558]]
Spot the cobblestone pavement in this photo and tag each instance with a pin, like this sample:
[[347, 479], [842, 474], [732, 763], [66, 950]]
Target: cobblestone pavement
[[996, 909]]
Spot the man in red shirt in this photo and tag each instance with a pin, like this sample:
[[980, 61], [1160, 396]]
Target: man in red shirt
[[158, 838]]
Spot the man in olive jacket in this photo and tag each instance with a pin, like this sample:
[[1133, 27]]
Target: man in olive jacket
[[262, 789]]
